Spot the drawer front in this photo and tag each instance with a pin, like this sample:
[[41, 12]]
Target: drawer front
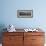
[[8, 45], [37, 39], [13, 33], [37, 44], [12, 40], [12, 44], [34, 33]]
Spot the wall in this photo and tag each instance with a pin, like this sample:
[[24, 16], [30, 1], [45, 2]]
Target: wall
[[9, 13]]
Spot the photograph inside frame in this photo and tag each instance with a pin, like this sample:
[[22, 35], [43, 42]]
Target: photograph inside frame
[[24, 13]]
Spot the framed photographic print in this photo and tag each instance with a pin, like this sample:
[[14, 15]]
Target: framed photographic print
[[24, 13]]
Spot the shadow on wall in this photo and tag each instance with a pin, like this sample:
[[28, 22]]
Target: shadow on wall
[[2, 26]]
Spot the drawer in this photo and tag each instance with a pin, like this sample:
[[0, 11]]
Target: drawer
[[34, 33], [8, 45], [14, 44], [13, 33], [37, 44], [12, 39], [37, 39]]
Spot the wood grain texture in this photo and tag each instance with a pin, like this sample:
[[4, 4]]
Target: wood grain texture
[[23, 39], [34, 39], [13, 39]]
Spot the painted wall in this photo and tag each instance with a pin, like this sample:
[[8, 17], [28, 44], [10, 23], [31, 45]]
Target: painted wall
[[8, 13]]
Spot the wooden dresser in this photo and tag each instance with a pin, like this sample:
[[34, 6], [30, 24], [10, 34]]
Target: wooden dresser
[[23, 39]]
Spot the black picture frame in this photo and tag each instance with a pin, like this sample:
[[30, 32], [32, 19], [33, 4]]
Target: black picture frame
[[24, 13]]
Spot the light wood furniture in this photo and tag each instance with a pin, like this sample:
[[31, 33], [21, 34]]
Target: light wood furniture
[[23, 39]]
